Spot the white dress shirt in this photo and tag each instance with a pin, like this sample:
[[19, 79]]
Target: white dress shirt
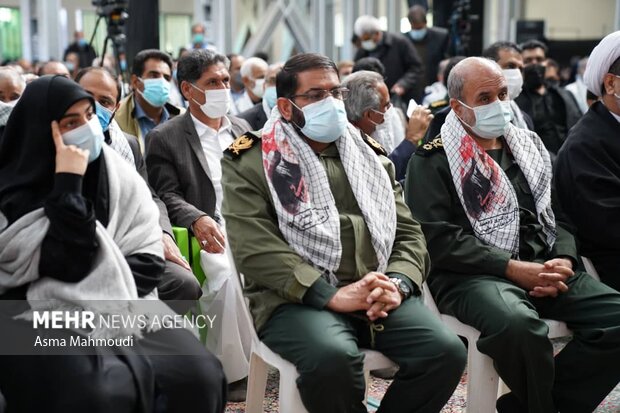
[[213, 143]]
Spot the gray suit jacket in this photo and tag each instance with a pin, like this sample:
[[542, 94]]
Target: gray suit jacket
[[178, 169], [164, 221]]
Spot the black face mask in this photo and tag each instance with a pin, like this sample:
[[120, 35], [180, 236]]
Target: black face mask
[[533, 76]]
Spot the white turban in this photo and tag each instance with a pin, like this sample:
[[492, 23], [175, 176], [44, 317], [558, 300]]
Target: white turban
[[601, 59]]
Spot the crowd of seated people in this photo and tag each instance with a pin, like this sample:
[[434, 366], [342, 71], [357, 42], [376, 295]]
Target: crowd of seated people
[[336, 204]]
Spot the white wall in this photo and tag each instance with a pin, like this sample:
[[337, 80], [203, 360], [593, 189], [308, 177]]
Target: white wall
[[573, 19]]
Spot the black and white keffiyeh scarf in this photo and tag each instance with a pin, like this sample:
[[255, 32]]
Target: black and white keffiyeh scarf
[[305, 206], [487, 196]]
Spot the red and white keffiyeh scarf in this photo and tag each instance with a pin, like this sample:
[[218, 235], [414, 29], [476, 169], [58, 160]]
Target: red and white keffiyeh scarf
[[487, 196], [304, 203]]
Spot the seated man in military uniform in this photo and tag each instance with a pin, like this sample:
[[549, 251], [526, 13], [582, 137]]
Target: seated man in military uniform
[[501, 260], [332, 259]]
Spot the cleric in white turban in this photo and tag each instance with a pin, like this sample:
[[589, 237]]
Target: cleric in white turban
[[587, 173], [599, 62]]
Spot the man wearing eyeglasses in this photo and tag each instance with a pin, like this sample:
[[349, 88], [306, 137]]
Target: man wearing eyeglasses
[[368, 107], [332, 259]]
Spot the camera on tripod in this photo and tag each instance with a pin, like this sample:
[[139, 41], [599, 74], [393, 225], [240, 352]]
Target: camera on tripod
[[115, 14]]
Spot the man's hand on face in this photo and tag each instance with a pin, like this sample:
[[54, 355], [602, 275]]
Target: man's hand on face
[[540, 280], [208, 233], [373, 293]]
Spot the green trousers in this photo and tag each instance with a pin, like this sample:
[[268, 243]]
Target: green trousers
[[513, 335], [324, 346]]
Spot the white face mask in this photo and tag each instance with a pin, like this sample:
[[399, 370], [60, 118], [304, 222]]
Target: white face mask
[[258, 89], [491, 119], [87, 136], [514, 80], [217, 102], [11, 103], [369, 45]]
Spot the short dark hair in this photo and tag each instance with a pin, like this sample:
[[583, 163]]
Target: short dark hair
[[492, 52], [417, 14], [534, 44], [286, 80], [87, 70], [191, 66], [144, 55], [371, 64]]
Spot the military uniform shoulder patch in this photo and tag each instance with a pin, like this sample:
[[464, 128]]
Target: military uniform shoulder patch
[[242, 144], [374, 145], [430, 147], [439, 104]]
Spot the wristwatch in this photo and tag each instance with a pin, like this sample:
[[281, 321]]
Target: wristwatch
[[402, 287]]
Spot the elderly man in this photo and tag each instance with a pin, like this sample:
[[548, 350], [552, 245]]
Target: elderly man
[[178, 282], [367, 106], [501, 260], [404, 71], [147, 107], [259, 113], [587, 172], [332, 259], [12, 86], [183, 162], [253, 72]]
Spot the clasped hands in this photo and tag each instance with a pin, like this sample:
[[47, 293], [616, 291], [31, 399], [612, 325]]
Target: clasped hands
[[374, 293], [541, 280]]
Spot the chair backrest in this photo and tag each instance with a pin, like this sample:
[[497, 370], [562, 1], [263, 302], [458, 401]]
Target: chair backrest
[[590, 267]]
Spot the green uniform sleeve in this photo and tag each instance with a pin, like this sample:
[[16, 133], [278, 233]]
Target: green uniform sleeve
[[430, 194], [259, 249], [409, 254]]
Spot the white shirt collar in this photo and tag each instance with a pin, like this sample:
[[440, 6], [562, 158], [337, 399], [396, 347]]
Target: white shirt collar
[[202, 129]]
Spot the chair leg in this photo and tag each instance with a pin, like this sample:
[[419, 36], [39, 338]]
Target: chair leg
[[290, 400], [367, 385], [257, 383], [482, 380]]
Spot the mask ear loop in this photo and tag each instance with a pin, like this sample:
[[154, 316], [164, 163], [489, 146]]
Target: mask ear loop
[[299, 109]]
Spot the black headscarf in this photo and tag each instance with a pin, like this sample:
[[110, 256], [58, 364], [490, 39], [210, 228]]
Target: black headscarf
[[27, 151]]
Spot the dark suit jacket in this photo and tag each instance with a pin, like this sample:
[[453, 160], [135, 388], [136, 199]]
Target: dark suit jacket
[[178, 169], [432, 50], [255, 116], [401, 61], [164, 221]]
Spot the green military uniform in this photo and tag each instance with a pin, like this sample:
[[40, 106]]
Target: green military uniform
[[288, 296], [468, 281]]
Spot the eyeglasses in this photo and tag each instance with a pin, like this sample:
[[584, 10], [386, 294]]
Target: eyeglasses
[[316, 95]]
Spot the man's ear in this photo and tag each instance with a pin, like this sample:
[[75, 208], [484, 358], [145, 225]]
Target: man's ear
[[135, 82], [185, 90], [456, 106], [608, 84], [285, 107]]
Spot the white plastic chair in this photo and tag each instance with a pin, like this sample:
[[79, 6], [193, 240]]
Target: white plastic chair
[[482, 379], [262, 357], [590, 268]]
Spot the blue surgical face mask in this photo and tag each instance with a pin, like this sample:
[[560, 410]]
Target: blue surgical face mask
[[198, 38], [88, 136], [270, 96], [82, 42], [417, 34], [156, 91], [325, 121], [104, 115], [491, 119]]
